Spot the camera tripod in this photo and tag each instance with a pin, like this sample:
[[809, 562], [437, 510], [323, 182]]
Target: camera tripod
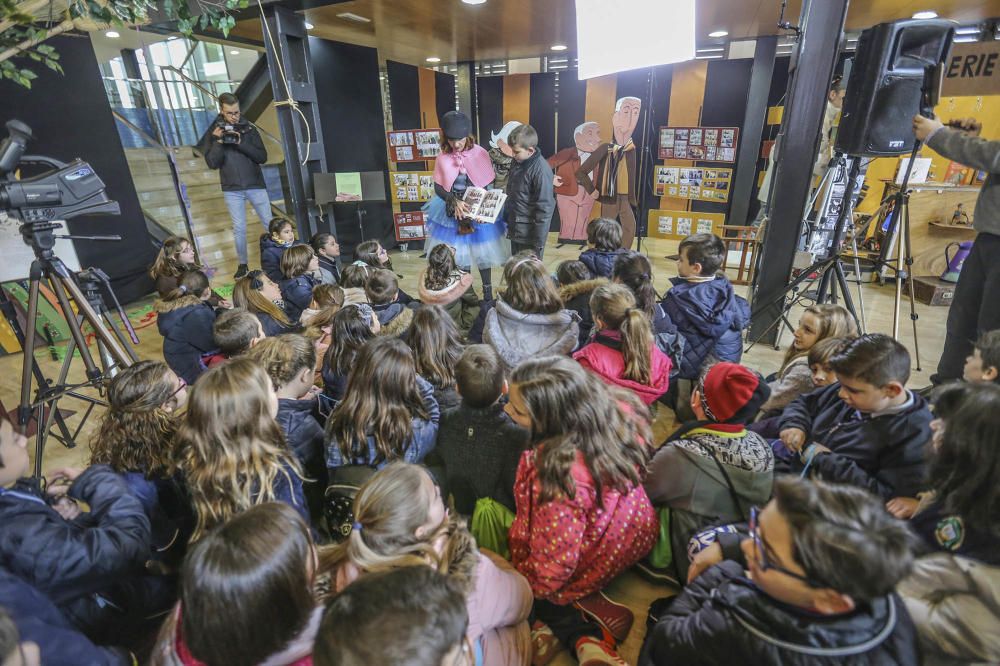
[[829, 270], [114, 352]]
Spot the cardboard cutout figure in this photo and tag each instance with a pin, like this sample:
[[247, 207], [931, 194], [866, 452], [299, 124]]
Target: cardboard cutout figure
[[574, 202], [502, 154], [615, 165]]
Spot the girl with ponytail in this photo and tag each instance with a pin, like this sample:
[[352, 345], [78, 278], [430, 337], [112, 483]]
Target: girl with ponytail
[[185, 319], [623, 353]]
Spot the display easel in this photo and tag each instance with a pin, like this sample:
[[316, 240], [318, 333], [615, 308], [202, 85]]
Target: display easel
[[327, 190]]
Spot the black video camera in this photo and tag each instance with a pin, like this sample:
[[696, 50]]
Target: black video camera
[[231, 134], [64, 192]]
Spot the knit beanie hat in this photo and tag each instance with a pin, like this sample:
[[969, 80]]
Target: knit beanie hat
[[732, 393]]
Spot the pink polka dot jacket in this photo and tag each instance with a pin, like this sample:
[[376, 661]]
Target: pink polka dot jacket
[[569, 548]]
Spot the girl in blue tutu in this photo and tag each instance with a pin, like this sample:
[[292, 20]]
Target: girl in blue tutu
[[462, 164]]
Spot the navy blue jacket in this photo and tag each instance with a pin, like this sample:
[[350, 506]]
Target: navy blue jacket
[[39, 621], [420, 444], [882, 454], [303, 433], [710, 317], [287, 487], [272, 327], [270, 258], [70, 560], [599, 262], [328, 265], [297, 293], [186, 326], [723, 618]]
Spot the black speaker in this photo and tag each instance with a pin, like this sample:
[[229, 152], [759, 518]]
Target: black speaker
[[891, 81]]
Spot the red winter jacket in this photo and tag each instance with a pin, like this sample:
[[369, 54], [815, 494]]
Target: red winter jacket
[[603, 357], [569, 548]]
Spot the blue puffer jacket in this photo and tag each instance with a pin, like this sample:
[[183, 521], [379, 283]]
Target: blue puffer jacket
[[423, 440], [297, 293], [599, 262], [186, 326], [711, 317], [39, 621], [270, 257]]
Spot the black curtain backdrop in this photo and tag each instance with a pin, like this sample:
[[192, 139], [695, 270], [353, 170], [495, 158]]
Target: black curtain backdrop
[[542, 111], [658, 107], [489, 103], [572, 104], [444, 95], [70, 117], [727, 84], [349, 98]]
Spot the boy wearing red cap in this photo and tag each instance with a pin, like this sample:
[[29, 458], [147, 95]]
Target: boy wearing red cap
[[712, 470]]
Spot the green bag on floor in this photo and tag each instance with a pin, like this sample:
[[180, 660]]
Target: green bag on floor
[[491, 521], [662, 555]]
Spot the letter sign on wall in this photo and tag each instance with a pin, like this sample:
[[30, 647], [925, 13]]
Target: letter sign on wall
[[972, 69]]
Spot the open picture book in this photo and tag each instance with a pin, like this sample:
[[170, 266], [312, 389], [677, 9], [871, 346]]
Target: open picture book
[[484, 205]]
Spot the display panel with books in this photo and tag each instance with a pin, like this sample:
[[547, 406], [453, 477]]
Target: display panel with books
[[679, 224], [410, 226], [412, 186], [414, 145], [701, 183]]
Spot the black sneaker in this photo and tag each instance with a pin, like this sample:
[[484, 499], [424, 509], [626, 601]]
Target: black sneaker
[[242, 270]]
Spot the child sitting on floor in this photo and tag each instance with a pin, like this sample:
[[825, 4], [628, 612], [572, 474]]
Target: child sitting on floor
[[813, 584], [185, 320], [382, 291], [818, 322], [279, 237], [297, 264], [583, 516], [442, 283], [436, 346], [983, 365], [604, 244], [259, 294], [576, 284], [353, 281], [622, 353], [712, 470], [327, 250], [867, 430], [234, 332]]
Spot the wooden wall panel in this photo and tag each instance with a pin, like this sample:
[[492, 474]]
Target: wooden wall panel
[[687, 90], [516, 98]]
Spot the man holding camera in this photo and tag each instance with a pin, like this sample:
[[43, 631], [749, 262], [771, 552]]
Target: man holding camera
[[973, 312], [237, 151]]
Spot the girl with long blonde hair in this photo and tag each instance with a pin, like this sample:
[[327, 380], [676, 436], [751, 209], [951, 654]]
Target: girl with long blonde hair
[[400, 520], [234, 455], [623, 353]]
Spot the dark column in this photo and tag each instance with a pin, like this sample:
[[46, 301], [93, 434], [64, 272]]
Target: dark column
[[753, 126], [465, 79], [822, 25], [291, 46]]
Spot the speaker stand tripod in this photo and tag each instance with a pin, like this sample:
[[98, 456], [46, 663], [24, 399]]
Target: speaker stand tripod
[[830, 270], [115, 354]]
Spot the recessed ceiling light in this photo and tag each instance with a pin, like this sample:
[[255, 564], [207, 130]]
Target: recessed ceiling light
[[111, 34], [434, 59], [474, 2], [171, 38], [718, 33], [309, 26], [559, 47], [234, 52], [925, 15]]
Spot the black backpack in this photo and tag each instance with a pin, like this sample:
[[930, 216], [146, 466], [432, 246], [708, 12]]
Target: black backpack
[[338, 502]]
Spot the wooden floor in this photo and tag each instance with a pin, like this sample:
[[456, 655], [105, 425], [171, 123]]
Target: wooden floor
[[628, 589]]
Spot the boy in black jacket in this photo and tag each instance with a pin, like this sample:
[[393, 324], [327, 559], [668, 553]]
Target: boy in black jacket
[[80, 561], [868, 429], [530, 196], [478, 445], [289, 359], [812, 585]]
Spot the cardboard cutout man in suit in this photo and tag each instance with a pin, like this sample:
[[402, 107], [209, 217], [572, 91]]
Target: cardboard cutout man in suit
[[616, 169], [574, 202]]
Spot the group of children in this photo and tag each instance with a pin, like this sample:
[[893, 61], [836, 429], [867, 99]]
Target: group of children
[[327, 470]]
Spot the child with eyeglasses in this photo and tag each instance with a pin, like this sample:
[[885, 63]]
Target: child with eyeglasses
[[813, 584]]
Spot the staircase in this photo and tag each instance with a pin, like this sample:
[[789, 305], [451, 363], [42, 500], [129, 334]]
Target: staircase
[[210, 223]]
